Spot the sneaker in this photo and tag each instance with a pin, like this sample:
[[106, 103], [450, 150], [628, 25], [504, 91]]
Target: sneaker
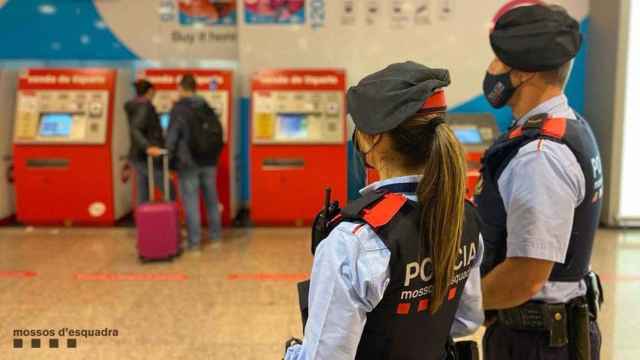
[[195, 253], [193, 247]]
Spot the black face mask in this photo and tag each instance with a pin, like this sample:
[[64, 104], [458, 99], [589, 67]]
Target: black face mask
[[498, 89]]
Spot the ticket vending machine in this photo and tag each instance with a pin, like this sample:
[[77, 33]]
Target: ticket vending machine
[[216, 87], [71, 143], [476, 132], [8, 85], [298, 144]]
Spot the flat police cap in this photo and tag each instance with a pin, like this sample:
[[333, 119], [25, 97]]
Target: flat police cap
[[536, 38], [385, 99]]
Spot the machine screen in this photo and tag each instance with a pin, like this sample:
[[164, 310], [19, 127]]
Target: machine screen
[[292, 126], [55, 125], [164, 120], [468, 136]]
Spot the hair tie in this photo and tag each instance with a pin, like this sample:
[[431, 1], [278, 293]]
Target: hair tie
[[433, 124]]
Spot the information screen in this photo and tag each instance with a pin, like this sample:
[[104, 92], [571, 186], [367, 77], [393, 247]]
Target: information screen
[[292, 126], [164, 120], [468, 136], [55, 125]]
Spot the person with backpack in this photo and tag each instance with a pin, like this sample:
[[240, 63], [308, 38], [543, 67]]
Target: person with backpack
[[194, 141]]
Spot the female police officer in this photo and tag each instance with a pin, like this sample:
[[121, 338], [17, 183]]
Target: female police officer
[[400, 267]]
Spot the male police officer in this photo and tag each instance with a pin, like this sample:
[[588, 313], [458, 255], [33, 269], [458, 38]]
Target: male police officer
[[540, 196]]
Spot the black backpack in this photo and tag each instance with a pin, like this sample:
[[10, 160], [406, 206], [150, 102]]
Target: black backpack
[[206, 134]]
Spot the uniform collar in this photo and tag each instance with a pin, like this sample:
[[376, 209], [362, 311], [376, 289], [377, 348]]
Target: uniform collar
[[553, 105], [408, 180]]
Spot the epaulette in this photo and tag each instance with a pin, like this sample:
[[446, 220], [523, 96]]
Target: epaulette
[[542, 124], [376, 208]]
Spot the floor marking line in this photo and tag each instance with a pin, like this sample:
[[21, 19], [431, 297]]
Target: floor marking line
[[131, 277], [17, 274], [268, 277]]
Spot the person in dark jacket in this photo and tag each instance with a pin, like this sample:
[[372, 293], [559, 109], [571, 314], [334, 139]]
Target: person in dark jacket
[[146, 138], [194, 172]]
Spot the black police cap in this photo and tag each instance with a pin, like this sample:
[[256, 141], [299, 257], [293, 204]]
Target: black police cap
[[383, 100], [536, 38]]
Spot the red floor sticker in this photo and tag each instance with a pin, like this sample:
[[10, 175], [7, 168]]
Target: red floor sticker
[[17, 274], [267, 277], [131, 277]]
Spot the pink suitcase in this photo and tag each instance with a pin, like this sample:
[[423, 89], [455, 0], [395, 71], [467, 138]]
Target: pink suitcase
[[158, 227]]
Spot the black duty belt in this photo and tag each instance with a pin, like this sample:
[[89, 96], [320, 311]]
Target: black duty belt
[[538, 316]]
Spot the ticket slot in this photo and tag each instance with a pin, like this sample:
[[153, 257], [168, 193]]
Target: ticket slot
[[282, 164], [48, 163]]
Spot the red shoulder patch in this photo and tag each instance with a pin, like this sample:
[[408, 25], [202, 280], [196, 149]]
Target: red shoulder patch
[[552, 127], [517, 132], [384, 210], [555, 127]]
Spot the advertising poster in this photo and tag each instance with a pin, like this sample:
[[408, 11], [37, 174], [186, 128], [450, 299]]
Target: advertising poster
[[423, 12], [173, 29], [446, 9], [207, 12], [348, 12], [373, 12], [400, 10], [274, 11]]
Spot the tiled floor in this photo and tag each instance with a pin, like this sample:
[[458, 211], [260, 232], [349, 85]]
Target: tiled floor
[[235, 302]]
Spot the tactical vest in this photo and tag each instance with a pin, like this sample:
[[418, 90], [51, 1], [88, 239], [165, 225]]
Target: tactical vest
[[577, 135], [401, 327]]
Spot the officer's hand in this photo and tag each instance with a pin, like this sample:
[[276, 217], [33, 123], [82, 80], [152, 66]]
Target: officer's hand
[[290, 343], [154, 151]]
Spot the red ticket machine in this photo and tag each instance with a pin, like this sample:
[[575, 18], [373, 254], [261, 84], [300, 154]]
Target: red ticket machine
[[298, 145], [476, 132], [70, 149], [8, 84], [216, 87]]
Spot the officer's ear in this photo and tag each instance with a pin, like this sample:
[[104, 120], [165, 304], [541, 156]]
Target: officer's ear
[[366, 141], [375, 139], [519, 77], [497, 67]]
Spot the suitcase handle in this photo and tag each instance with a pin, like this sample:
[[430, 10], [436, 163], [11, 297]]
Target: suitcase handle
[[151, 175]]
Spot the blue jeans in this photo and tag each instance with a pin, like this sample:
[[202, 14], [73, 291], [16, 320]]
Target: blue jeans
[[191, 181], [142, 181]]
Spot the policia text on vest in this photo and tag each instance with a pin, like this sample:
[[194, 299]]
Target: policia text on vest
[[406, 301], [541, 195]]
